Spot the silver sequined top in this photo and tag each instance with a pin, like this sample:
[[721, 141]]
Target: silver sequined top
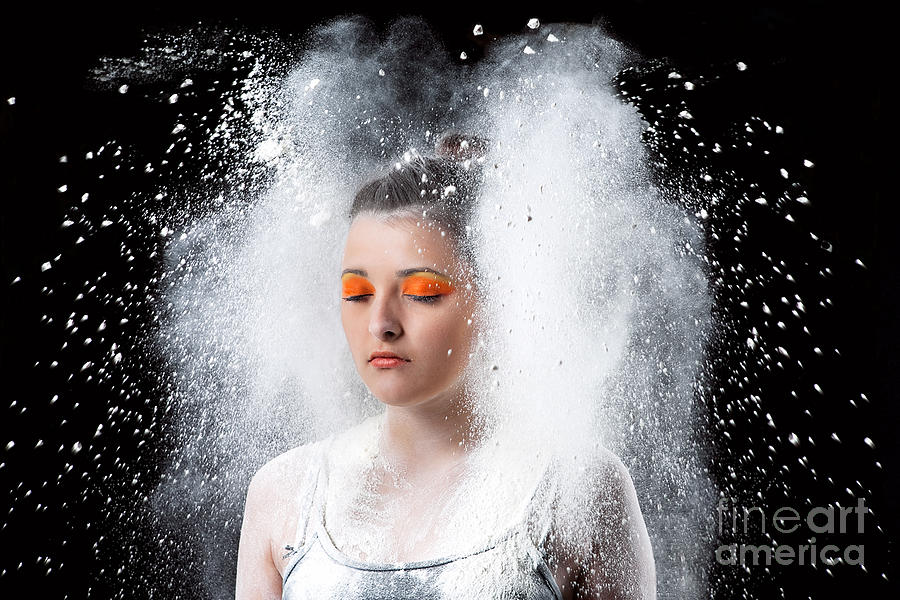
[[510, 566]]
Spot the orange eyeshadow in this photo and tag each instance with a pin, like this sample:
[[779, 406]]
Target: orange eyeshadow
[[355, 285], [426, 284]]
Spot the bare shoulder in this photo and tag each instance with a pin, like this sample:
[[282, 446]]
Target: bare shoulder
[[612, 499], [284, 468], [623, 566], [281, 490], [275, 502], [601, 547], [596, 498], [607, 463], [285, 476], [610, 477], [270, 515], [282, 478]]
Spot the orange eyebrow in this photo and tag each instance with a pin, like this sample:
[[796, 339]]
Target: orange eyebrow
[[424, 283], [355, 285]]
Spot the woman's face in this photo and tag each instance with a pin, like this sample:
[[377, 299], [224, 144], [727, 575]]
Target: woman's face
[[403, 292]]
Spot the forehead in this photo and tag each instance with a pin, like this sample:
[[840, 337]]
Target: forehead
[[401, 241]]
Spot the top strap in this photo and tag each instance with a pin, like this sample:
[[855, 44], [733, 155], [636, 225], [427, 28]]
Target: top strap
[[543, 514], [312, 501]]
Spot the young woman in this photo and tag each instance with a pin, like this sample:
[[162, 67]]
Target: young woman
[[418, 501]]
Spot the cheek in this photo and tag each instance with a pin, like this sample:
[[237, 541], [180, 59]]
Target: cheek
[[352, 330], [452, 332]]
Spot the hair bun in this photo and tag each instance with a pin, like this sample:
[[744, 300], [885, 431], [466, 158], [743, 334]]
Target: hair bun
[[458, 146]]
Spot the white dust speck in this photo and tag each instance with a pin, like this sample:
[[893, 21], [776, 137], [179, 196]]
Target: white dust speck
[[63, 188], [528, 50], [10, 444], [313, 83], [868, 441], [76, 447], [46, 266], [794, 439], [808, 163], [381, 72], [552, 38], [123, 88], [685, 115], [533, 23], [187, 82], [173, 98], [319, 218], [268, 150], [742, 66], [688, 85], [463, 56], [11, 100]]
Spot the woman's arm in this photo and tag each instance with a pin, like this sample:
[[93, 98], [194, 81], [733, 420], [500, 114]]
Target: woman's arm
[[257, 576], [621, 565]]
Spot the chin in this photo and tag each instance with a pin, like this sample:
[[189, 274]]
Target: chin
[[396, 397], [391, 400]]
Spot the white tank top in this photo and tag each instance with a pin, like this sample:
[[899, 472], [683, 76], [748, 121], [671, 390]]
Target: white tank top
[[511, 565]]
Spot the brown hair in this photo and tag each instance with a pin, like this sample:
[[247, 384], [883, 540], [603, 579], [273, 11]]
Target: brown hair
[[442, 188]]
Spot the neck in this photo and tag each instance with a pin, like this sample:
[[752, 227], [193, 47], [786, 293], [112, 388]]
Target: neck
[[428, 435]]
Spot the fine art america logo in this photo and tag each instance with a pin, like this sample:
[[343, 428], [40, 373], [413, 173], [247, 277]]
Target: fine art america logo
[[821, 520]]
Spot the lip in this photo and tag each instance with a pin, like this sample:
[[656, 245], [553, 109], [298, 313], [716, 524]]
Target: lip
[[386, 360]]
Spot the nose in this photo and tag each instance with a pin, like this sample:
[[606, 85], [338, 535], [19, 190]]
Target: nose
[[384, 320]]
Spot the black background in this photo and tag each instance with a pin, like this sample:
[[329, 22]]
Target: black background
[[817, 69]]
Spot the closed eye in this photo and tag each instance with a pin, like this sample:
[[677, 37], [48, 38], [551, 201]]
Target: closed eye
[[426, 287], [355, 288], [424, 299]]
